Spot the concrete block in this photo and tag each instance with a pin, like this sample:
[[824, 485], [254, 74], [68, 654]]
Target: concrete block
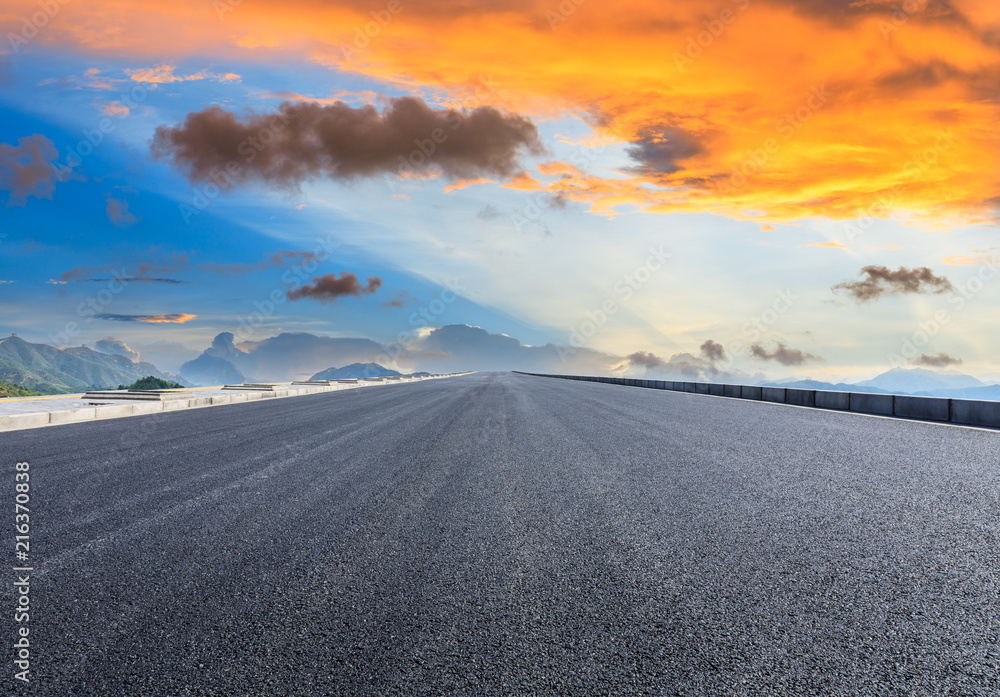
[[731, 391], [826, 399], [204, 401], [13, 422], [751, 392], [113, 411], [773, 394], [72, 415], [701, 387], [717, 389], [175, 404], [927, 408], [690, 387], [802, 398], [237, 398], [974, 412], [148, 407], [866, 403]]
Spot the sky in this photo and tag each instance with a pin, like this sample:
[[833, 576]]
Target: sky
[[734, 189]]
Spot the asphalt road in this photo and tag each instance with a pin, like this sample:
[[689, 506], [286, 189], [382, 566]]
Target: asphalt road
[[497, 534]]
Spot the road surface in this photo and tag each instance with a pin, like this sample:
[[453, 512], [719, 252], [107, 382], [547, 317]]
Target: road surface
[[498, 534]]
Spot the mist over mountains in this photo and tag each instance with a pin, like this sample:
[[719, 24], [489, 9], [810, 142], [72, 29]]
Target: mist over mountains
[[302, 356], [50, 370]]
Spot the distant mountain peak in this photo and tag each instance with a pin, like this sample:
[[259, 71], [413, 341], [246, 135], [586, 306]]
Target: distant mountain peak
[[356, 370]]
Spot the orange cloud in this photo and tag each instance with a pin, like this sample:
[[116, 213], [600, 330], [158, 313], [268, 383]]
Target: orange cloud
[[827, 245], [464, 183], [164, 74], [770, 109], [180, 318], [962, 260]]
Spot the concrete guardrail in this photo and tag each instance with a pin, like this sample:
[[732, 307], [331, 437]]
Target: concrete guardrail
[[96, 405], [965, 412]]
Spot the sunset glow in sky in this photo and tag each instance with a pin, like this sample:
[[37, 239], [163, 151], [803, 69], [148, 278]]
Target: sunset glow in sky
[[780, 187]]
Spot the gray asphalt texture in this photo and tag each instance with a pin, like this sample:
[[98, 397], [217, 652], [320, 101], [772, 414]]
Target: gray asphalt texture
[[497, 534]]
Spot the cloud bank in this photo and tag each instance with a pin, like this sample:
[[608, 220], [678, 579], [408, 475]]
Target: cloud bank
[[879, 281], [305, 140], [329, 287]]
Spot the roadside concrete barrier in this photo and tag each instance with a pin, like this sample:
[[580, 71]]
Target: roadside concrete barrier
[[839, 401], [111, 404], [773, 394], [800, 398], [974, 412], [924, 408], [965, 412], [868, 403]]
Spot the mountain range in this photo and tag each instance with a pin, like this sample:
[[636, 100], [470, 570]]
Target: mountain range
[[50, 370], [358, 370], [914, 381]]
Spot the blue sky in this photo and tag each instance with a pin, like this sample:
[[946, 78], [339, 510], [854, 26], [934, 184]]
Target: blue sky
[[536, 254]]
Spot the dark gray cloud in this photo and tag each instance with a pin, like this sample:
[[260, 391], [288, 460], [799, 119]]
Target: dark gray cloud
[[782, 354], [660, 151], [27, 169], [306, 140], [402, 299], [131, 279], [277, 258], [143, 272], [941, 360], [118, 212], [646, 359], [838, 11], [713, 351], [175, 318], [880, 280], [489, 213], [116, 347], [686, 366], [330, 287]]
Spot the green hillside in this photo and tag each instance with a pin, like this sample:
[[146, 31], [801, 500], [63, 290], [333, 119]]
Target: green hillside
[[151, 383], [49, 370], [8, 390]]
